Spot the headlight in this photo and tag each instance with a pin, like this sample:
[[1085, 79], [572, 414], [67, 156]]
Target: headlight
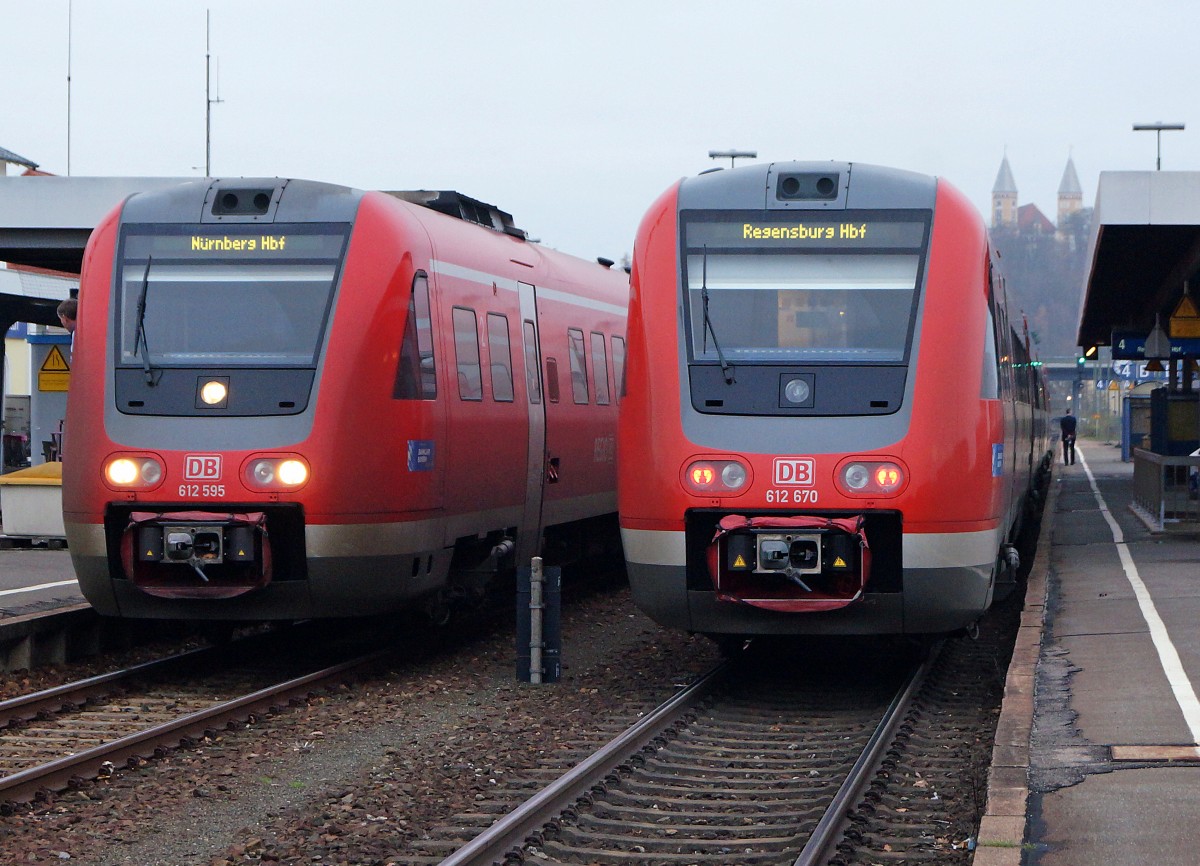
[[283, 472], [733, 475], [214, 392], [797, 390], [293, 473], [138, 472], [857, 476], [715, 477], [871, 477]]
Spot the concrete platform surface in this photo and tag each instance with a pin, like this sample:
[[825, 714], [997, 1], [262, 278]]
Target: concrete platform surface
[[1102, 765], [34, 579]]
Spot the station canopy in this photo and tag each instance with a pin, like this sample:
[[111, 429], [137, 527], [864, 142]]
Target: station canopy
[[45, 220], [1145, 243]]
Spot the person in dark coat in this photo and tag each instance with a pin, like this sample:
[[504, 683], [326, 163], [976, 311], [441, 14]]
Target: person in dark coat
[[1067, 424]]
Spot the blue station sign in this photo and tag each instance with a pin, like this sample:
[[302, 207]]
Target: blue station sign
[[1131, 346]]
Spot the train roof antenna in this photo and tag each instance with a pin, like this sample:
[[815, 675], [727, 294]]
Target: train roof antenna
[[726, 368]]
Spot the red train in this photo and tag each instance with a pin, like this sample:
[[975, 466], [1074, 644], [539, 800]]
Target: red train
[[298, 400], [830, 425]]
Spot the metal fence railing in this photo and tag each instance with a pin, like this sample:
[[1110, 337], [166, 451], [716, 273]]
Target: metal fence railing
[[1167, 489]]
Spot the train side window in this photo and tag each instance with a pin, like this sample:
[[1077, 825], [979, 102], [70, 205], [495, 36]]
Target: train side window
[[600, 369], [1021, 368], [466, 354], [533, 382], [578, 357], [501, 358], [618, 353], [989, 388], [416, 375], [552, 380]]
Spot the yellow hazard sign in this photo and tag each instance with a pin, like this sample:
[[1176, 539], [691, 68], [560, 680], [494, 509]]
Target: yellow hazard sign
[[838, 562], [55, 372], [1185, 320], [55, 362], [739, 562]]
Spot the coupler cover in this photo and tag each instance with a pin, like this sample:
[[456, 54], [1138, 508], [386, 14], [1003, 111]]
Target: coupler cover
[[196, 554], [790, 564]]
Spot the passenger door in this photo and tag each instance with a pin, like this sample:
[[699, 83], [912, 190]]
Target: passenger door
[[529, 535]]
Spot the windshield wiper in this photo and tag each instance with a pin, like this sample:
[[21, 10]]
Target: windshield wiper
[[140, 346], [726, 367]]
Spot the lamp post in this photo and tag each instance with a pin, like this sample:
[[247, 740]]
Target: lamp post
[[1157, 129], [733, 155]]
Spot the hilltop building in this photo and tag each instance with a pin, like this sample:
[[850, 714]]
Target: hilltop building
[[1028, 219], [1042, 260], [1070, 193], [1004, 197]]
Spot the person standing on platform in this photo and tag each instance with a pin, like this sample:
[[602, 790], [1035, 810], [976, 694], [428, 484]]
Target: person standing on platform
[[67, 312], [1067, 424]]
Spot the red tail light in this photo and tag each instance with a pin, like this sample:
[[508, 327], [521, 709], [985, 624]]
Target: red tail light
[[862, 477]]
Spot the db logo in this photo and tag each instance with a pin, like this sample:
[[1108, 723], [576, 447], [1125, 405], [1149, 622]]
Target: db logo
[[794, 470], [202, 467]]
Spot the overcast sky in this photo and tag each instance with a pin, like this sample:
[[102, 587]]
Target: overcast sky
[[574, 116]]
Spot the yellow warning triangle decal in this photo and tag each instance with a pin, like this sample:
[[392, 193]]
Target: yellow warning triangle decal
[[55, 362], [839, 563], [739, 562], [149, 553], [241, 553]]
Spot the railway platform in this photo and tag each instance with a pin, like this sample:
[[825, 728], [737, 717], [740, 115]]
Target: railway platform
[[1096, 757]]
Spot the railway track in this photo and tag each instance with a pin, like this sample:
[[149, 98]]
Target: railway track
[[749, 765], [53, 739], [61, 736]]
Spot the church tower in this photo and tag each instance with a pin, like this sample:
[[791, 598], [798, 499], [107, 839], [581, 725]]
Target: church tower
[[1004, 197], [1070, 193]]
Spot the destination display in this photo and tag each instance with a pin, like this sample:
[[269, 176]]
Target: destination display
[[222, 243], [810, 231]]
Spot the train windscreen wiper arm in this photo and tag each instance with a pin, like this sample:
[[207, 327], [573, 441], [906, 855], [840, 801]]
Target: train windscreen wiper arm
[[726, 367], [140, 346]]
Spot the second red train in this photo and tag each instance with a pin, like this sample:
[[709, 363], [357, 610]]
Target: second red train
[[831, 423]]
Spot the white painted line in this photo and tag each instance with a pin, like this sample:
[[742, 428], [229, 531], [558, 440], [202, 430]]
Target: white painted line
[[56, 583], [1168, 656]]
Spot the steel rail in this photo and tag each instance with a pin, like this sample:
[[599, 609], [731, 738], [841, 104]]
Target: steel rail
[[61, 772], [830, 828], [513, 829], [27, 707]]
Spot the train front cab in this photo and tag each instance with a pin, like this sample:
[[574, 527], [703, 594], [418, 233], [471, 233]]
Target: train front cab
[[841, 323], [204, 324], [415, 364]]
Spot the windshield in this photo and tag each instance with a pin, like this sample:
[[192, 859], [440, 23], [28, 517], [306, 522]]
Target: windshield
[[802, 291], [233, 296]]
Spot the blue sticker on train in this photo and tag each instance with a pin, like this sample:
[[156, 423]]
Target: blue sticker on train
[[997, 460], [420, 455]]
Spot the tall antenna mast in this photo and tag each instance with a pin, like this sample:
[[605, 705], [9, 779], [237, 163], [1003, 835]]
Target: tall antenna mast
[[69, 5], [208, 100]]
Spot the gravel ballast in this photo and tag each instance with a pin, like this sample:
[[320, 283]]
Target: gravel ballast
[[354, 776]]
